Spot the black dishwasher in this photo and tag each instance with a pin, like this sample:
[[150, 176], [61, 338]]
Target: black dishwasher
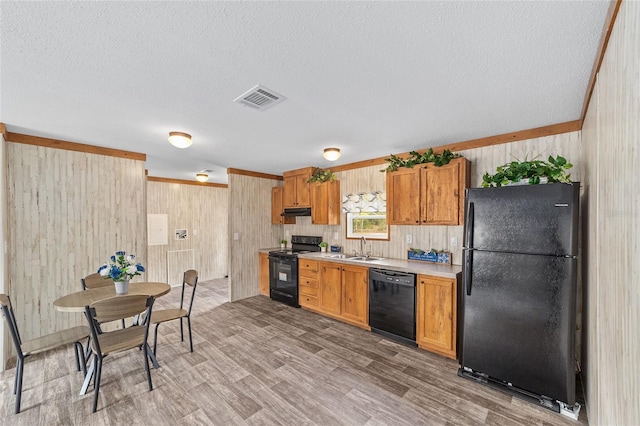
[[392, 304]]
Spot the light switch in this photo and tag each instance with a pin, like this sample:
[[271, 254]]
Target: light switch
[[235, 236], [195, 232], [454, 241]]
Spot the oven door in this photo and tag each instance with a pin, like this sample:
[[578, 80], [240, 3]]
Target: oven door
[[283, 279]]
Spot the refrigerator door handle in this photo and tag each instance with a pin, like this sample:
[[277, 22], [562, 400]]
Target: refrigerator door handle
[[468, 264], [468, 226]]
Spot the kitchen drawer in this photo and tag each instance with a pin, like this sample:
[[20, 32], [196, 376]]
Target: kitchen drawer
[[307, 265], [308, 290], [308, 281], [307, 275], [308, 301]]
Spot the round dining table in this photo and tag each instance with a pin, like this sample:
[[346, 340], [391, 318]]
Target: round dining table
[[75, 302]]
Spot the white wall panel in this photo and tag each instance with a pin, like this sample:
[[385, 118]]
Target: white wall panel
[[202, 211], [67, 213], [612, 132], [250, 219]]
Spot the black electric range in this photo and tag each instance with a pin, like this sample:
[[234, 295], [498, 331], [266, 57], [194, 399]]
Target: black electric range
[[283, 268]]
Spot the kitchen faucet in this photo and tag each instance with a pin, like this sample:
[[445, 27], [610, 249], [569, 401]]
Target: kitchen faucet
[[363, 243]]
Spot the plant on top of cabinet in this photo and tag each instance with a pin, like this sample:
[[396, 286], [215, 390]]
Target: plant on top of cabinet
[[415, 157], [532, 172], [322, 175]]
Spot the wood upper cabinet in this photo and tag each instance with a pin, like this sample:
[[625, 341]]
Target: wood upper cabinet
[[355, 293], [277, 207], [428, 195], [326, 206], [264, 273], [437, 315], [296, 188], [330, 287], [403, 197]]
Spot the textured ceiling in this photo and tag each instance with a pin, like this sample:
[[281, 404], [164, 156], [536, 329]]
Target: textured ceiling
[[372, 78]]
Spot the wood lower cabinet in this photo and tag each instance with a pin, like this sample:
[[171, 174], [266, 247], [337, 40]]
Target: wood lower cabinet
[[437, 315], [428, 195], [336, 290], [355, 294], [330, 287], [343, 293], [264, 273], [308, 286]]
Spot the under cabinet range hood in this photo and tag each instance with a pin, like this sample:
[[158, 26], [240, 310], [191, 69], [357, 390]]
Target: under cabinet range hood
[[302, 211]]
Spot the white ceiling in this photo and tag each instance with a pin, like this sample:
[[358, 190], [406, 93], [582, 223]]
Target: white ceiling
[[372, 78]]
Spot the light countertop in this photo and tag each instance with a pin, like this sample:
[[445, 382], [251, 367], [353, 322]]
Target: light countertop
[[403, 265]]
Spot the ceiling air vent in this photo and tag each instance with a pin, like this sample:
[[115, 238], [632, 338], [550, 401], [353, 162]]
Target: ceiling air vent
[[259, 98]]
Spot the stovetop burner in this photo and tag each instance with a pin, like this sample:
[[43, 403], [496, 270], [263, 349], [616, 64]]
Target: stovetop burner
[[288, 252], [300, 244]]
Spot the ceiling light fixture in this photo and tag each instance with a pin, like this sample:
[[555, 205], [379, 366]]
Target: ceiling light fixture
[[202, 177], [180, 139], [331, 154]]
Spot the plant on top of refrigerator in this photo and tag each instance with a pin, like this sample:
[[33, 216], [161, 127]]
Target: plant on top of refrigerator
[[535, 171]]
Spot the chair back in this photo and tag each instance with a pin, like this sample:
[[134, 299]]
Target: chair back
[[95, 280], [10, 317], [116, 308], [191, 279]]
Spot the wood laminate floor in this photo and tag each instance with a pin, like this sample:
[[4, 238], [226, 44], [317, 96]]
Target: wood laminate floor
[[258, 362]]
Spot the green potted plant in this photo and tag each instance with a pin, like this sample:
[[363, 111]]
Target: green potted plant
[[415, 157], [322, 175], [283, 244], [323, 246], [530, 172]]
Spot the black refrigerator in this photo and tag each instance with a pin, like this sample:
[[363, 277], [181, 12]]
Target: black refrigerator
[[519, 291]]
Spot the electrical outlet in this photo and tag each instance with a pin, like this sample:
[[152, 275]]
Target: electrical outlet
[[336, 236], [454, 241], [236, 237], [409, 239], [195, 232]]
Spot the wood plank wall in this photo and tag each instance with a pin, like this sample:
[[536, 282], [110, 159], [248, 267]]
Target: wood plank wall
[[68, 212], [5, 340], [438, 237], [250, 218], [610, 138], [196, 208]]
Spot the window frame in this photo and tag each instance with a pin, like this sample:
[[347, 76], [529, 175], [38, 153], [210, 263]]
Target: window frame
[[351, 235]]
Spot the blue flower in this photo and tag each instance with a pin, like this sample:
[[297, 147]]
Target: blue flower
[[121, 267]]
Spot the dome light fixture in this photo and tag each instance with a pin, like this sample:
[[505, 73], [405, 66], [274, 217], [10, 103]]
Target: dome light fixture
[[202, 177], [180, 139], [331, 154]]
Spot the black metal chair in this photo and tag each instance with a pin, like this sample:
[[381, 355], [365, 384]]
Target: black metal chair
[[96, 280], [190, 278], [104, 343], [39, 345]]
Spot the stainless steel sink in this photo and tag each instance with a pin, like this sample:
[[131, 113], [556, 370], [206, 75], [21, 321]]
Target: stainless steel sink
[[353, 257], [341, 256]]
